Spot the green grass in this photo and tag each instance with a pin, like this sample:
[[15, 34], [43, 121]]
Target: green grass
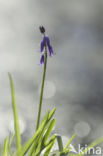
[[42, 140]]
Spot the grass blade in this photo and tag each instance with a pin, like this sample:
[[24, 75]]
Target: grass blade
[[60, 143], [49, 148], [40, 146], [51, 114], [48, 132], [10, 143], [34, 139], [16, 120], [5, 153], [70, 140], [51, 139], [43, 139]]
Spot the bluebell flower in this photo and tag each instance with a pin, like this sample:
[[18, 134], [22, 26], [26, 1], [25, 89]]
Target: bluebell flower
[[45, 42], [42, 59]]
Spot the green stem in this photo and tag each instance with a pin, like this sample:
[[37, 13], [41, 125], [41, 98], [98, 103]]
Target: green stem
[[42, 88], [60, 143]]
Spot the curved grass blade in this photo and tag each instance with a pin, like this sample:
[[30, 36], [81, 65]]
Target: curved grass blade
[[16, 120]]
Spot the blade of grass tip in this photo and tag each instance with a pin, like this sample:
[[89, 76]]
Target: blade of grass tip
[[51, 114], [70, 140], [45, 116], [5, 152], [16, 120]]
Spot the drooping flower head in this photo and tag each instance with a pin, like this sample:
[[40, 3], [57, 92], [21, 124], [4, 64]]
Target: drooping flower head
[[42, 59], [45, 42]]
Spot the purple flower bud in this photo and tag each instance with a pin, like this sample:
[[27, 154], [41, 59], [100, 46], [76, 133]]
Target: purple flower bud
[[42, 59], [42, 29]]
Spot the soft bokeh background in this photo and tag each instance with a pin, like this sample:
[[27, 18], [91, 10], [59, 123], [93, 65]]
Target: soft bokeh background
[[74, 75]]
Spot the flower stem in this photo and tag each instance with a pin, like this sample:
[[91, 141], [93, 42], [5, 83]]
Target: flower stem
[[42, 89]]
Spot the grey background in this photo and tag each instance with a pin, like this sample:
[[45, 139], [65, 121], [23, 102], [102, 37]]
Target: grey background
[[76, 32]]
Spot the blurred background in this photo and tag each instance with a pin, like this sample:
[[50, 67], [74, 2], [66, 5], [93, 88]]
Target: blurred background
[[74, 82]]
